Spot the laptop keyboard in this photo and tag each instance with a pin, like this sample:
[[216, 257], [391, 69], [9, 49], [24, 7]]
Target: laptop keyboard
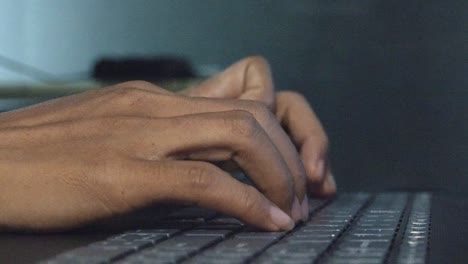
[[351, 228]]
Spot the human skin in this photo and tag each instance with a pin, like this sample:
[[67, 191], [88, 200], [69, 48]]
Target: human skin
[[70, 161]]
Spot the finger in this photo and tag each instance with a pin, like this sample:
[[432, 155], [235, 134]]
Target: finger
[[329, 186], [270, 125], [248, 79], [306, 131], [326, 188], [233, 135], [205, 185]]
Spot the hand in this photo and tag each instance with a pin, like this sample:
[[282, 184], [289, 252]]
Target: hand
[[77, 159], [250, 79]]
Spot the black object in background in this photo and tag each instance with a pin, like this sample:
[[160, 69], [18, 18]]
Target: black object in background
[[153, 69]]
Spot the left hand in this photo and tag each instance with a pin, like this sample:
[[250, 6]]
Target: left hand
[[250, 79]]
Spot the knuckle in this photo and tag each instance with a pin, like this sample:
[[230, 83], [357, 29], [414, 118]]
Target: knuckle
[[138, 84], [200, 177], [243, 124], [259, 110], [128, 95], [139, 95]]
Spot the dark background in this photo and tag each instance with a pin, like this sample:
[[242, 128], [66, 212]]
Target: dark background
[[388, 78], [392, 89]]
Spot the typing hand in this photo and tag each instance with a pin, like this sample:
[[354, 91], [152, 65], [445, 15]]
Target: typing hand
[[76, 159], [250, 79]]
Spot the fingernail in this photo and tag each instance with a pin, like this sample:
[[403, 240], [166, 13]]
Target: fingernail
[[281, 219], [305, 208], [296, 211]]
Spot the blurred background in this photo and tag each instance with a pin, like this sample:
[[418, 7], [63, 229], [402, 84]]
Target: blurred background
[[389, 79]]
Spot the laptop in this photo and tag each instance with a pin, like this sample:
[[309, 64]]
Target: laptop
[[384, 227]]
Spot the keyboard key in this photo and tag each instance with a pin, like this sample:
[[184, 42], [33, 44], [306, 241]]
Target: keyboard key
[[93, 254], [260, 235], [216, 226], [236, 249], [135, 244], [315, 204], [164, 232], [357, 260], [212, 232], [174, 249], [129, 237]]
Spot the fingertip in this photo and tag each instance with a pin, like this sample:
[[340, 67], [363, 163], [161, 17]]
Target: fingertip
[[296, 211], [314, 162], [316, 171], [280, 219], [324, 189], [329, 186], [320, 169]]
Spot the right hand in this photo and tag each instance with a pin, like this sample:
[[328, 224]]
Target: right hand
[[76, 159], [251, 79]]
